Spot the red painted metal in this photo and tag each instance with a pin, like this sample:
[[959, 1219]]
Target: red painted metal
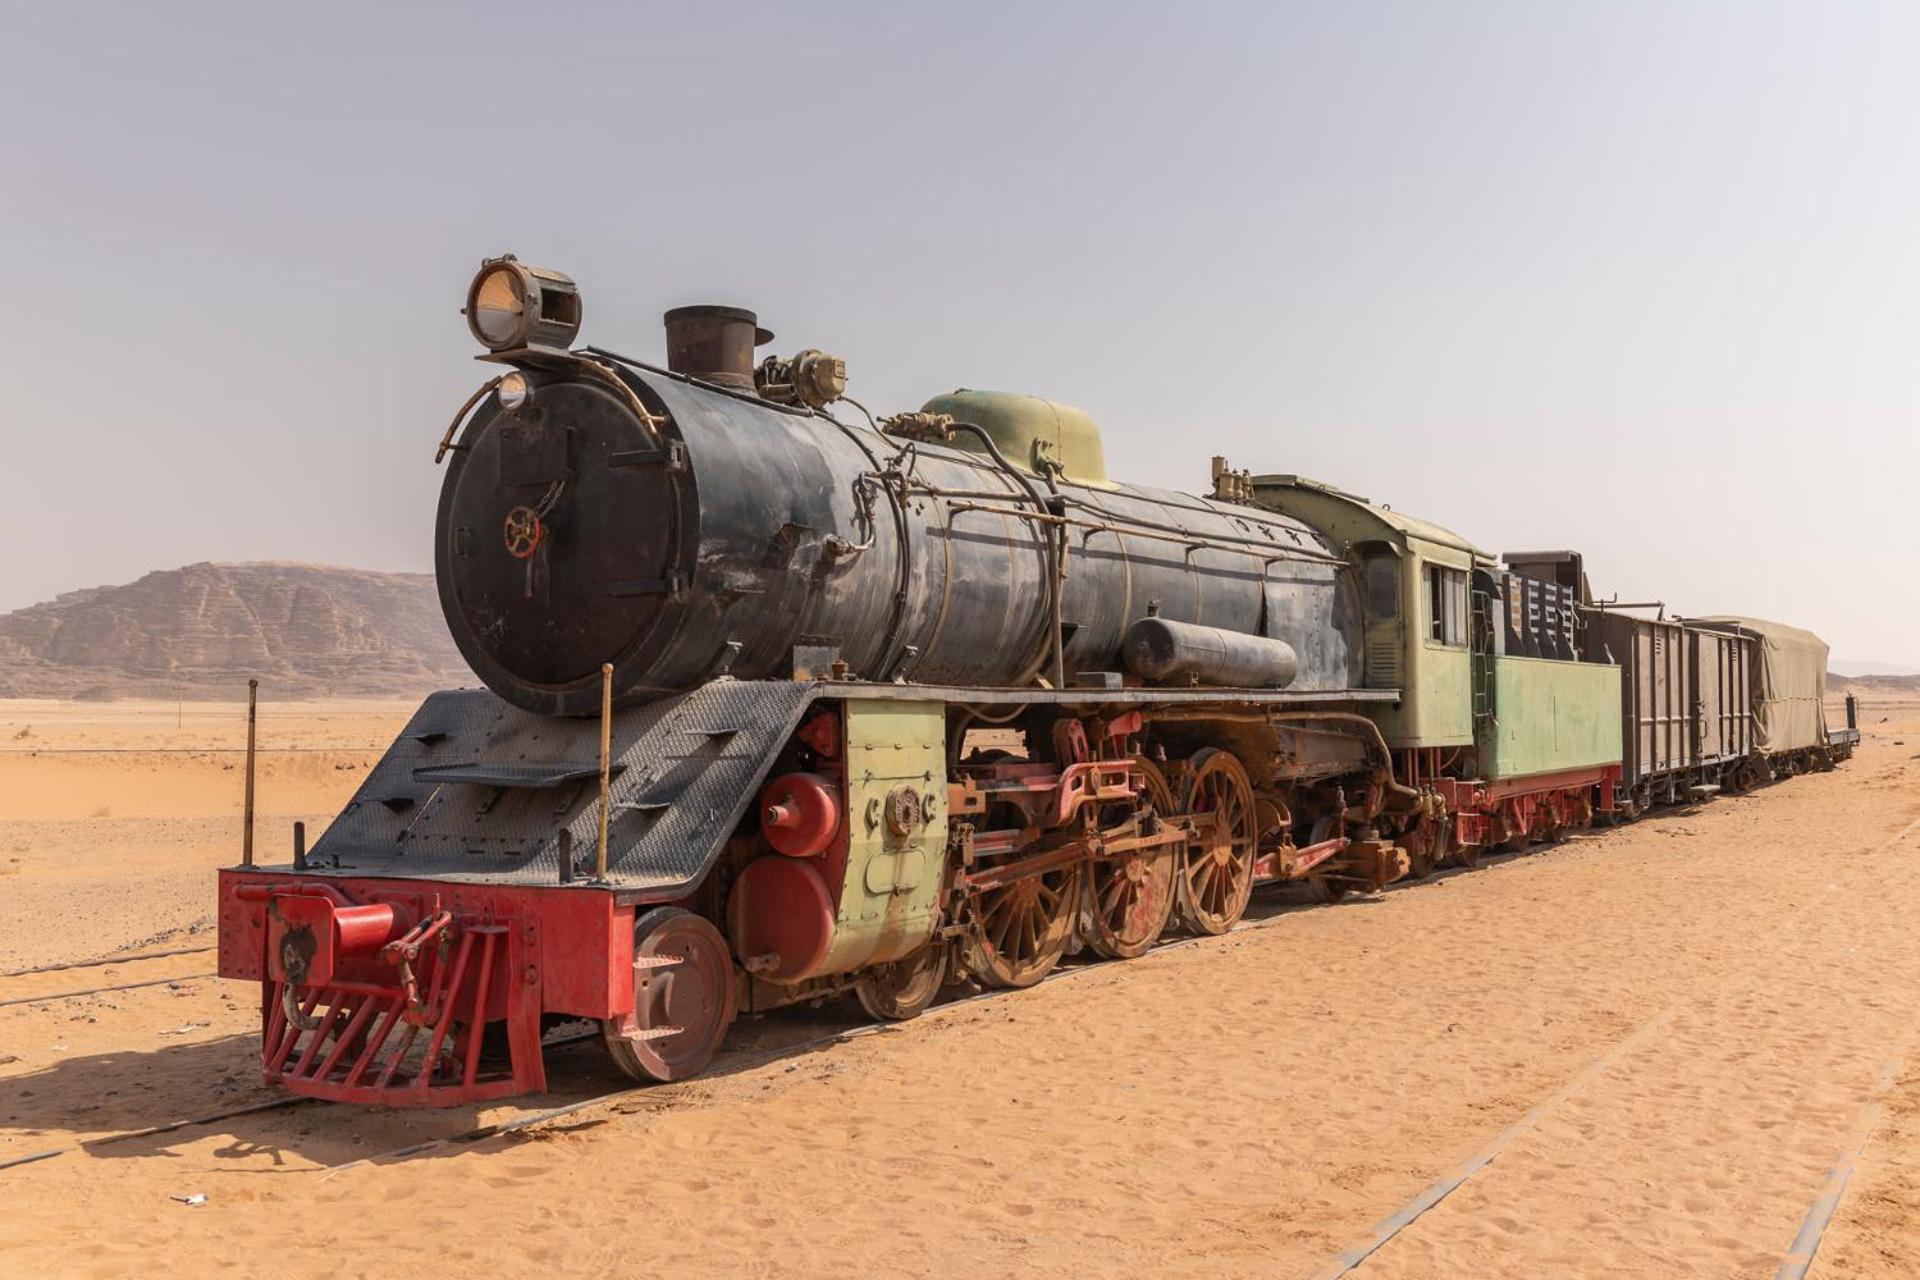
[[799, 813], [310, 935], [1093, 782], [406, 977], [1049, 796], [1486, 812], [1315, 854], [822, 733], [781, 917], [261, 891]]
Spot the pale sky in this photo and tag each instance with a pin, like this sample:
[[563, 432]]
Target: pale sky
[[1641, 279]]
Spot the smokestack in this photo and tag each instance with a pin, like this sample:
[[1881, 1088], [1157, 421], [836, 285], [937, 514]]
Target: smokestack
[[714, 344]]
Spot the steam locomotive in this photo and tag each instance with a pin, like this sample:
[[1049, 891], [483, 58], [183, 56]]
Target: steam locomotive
[[781, 703]]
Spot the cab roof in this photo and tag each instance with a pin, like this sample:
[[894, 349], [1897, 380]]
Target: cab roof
[[1395, 525]]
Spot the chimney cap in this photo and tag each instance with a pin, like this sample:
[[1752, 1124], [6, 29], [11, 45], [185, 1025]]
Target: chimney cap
[[710, 311]]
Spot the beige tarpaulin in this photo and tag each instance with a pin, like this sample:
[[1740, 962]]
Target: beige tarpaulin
[[1789, 684]]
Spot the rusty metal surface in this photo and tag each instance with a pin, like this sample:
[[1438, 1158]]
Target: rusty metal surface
[[1657, 693], [1685, 698], [1723, 677], [715, 343]]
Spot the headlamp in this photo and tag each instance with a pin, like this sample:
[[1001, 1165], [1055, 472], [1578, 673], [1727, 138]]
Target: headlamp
[[512, 305], [515, 391]]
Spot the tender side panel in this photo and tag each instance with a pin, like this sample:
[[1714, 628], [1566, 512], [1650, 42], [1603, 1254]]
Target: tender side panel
[[1549, 717]]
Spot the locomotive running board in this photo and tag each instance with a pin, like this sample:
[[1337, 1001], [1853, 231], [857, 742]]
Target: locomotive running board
[[478, 791]]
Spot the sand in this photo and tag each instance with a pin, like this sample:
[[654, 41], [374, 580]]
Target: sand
[[1665, 1035]]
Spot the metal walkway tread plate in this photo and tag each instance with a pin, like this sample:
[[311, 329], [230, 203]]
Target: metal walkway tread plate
[[479, 791], [543, 776]]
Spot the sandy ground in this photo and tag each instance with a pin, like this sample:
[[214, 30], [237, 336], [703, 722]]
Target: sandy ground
[[1665, 1037]]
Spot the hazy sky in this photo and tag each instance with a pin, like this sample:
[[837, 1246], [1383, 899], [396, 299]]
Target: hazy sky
[[1638, 279]]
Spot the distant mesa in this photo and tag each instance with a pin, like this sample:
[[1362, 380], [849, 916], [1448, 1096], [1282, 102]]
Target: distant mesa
[[304, 630], [1871, 680], [1869, 670]]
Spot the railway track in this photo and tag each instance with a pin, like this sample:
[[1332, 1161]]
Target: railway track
[[100, 991], [284, 1103], [745, 1061], [107, 960], [23, 982], [152, 1131], [748, 1060], [1272, 912]]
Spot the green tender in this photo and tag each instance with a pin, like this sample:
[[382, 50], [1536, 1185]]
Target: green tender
[[1549, 716]]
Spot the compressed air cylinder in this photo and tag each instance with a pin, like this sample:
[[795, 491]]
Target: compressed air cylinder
[[1162, 649]]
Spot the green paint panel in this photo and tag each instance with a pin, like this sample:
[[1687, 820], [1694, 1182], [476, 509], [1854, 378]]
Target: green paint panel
[[1436, 709], [891, 895], [1549, 716]]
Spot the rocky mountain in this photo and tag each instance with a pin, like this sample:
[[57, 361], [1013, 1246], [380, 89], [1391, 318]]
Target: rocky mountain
[[1835, 680], [303, 630]]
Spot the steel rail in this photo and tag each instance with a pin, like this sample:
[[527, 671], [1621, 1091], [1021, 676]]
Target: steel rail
[[97, 991], [762, 1058], [271, 1104], [1438, 1191], [1806, 1242], [106, 960], [751, 1061]]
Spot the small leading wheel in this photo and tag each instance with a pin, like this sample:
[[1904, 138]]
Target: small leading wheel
[[1020, 930], [682, 998], [1216, 873], [1129, 898], [903, 989]]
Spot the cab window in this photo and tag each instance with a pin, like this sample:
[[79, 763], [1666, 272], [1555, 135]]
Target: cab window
[[1383, 586], [1447, 605]]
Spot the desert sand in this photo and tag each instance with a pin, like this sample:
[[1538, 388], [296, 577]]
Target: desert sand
[[1665, 1036]]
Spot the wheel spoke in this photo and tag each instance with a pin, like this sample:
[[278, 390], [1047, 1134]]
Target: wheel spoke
[[1031, 931], [1005, 915]]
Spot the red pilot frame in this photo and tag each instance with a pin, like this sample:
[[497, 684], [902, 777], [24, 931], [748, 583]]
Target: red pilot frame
[[419, 993]]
